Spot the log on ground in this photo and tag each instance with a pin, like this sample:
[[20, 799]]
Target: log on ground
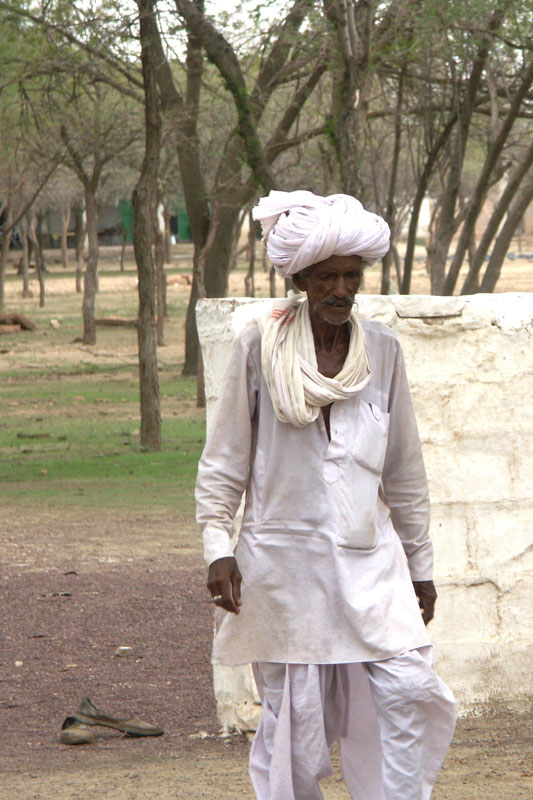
[[4, 329], [124, 322], [15, 318]]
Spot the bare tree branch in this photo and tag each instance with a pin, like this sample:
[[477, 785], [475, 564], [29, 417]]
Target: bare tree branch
[[221, 53]]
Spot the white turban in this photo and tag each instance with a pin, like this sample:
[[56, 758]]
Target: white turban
[[301, 228]]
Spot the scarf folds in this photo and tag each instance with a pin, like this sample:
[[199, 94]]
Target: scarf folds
[[301, 229], [297, 389]]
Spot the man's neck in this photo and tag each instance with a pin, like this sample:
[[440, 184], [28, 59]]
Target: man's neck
[[329, 337], [331, 345]]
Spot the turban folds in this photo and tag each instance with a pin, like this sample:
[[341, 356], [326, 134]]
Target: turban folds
[[301, 228]]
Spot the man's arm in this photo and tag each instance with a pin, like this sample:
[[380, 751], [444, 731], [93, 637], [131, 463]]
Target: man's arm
[[223, 474], [405, 488]]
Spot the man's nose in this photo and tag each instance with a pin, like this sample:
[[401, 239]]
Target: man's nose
[[341, 286]]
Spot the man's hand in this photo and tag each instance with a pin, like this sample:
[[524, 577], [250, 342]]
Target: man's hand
[[225, 579], [427, 596]]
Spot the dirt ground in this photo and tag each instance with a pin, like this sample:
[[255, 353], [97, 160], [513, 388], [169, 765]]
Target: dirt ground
[[75, 585]]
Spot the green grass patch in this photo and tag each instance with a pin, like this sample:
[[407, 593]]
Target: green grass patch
[[75, 441]]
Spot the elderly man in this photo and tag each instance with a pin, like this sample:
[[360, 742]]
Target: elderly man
[[330, 583]]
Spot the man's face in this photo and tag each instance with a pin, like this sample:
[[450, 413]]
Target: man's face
[[331, 286]]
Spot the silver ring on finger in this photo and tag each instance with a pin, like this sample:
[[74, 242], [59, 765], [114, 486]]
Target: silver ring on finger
[[217, 599]]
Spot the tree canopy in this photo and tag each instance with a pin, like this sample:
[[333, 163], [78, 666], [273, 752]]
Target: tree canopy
[[398, 102]]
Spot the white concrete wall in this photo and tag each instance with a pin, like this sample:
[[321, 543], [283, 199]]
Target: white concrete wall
[[470, 364]]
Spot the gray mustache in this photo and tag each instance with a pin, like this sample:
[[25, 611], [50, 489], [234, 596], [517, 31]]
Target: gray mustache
[[330, 301]]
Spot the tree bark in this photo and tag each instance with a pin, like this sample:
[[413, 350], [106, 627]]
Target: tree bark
[[79, 236], [192, 348], [39, 263], [184, 112], [199, 290], [23, 227], [89, 278], [144, 207], [421, 190], [218, 249], [471, 281], [90, 186], [503, 241], [167, 234], [483, 181], [65, 221], [39, 216], [390, 213], [272, 281], [5, 240], [224, 58], [446, 223], [13, 218], [249, 281], [242, 148], [160, 276], [353, 24], [123, 253]]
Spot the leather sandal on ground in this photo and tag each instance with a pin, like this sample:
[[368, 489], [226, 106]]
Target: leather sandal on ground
[[74, 732], [88, 714]]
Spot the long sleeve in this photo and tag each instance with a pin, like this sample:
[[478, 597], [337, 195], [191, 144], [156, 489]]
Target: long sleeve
[[225, 463], [404, 477]]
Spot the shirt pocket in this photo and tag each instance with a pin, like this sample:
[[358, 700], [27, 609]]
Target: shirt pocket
[[357, 493], [371, 437]]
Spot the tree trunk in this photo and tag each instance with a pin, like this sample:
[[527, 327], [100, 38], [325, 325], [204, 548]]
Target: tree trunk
[[390, 214], [471, 281], [483, 181], [39, 261], [502, 243], [199, 285], [218, 250], [355, 24], [40, 278], [160, 276], [5, 239], [249, 281], [25, 260], [446, 223], [167, 234], [65, 221], [144, 209], [39, 239], [421, 190], [79, 236], [90, 277], [272, 281], [192, 348], [122, 252]]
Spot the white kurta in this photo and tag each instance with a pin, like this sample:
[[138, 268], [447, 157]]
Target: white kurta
[[333, 532]]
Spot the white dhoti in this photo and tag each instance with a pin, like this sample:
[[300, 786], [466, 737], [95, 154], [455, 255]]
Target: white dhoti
[[395, 720]]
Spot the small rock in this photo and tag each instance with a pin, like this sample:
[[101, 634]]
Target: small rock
[[124, 651], [55, 323], [19, 663]]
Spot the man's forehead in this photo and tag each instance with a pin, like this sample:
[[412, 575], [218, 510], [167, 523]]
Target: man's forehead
[[335, 263]]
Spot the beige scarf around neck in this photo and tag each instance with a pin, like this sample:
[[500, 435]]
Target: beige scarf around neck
[[297, 389]]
